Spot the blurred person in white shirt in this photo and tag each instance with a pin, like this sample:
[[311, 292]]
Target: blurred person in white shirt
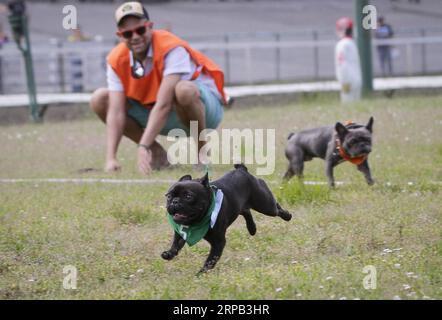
[[347, 63]]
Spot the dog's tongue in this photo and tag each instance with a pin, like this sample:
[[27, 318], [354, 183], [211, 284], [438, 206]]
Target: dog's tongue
[[178, 215]]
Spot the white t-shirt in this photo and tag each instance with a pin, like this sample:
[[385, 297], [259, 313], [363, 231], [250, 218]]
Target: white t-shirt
[[348, 67], [177, 61]]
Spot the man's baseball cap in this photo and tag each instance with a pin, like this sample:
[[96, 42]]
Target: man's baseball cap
[[132, 8]]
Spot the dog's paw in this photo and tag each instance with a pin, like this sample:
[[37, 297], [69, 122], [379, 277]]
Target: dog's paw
[[167, 255], [201, 272], [370, 182], [284, 214], [251, 227]]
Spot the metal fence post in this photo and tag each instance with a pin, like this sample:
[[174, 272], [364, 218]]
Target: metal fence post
[[1, 76], [316, 55], [424, 53], [364, 46], [278, 56], [248, 58], [19, 25], [60, 61], [409, 59], [227, 58]]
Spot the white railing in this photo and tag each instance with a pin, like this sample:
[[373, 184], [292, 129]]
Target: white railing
[[60, 69]]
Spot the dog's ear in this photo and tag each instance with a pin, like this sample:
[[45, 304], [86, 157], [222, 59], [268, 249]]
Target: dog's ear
[[205, 180], [369, 125], [341, 130], [186, 177]]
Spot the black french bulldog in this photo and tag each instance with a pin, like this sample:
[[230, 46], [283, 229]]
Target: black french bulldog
[[188, 202], [335, 145]]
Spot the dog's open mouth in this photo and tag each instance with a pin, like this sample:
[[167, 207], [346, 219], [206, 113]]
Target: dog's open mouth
[[179, 216]]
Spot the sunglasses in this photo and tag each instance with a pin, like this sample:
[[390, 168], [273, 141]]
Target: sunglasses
[[127, 34]]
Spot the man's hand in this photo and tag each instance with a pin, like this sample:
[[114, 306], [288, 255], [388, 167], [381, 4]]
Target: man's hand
[[144, 160], [112, 165]]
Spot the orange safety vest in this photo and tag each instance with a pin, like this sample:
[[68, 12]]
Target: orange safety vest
[[145, 89]]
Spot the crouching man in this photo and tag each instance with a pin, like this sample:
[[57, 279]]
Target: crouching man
[[156, 83]]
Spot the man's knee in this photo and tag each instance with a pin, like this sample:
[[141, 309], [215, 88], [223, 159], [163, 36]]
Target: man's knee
[[99, 100], [186, 93]]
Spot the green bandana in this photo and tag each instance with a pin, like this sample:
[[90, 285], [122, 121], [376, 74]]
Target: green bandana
[[194, 233]]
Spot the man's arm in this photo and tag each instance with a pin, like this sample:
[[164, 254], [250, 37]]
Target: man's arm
[[115, 122], [157, 119]]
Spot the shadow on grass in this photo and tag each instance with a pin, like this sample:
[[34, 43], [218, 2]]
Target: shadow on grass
[[296, 193], [126, 215]]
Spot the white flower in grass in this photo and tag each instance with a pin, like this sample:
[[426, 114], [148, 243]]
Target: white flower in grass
[[410, 183], [131, 276], [294, 262], [343, 298], [31, 280], [387, 250], [299, 294], [329, 278], [357, 299], [406, 286], [321, 287], [278, 289], [397, 298], [397, 265], [397, 249], [409, 274], [140, 270]]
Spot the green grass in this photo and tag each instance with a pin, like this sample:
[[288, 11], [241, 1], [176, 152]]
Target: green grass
[[114, 234]]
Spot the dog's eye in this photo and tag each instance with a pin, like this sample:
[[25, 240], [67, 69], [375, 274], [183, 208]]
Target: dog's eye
[[188, 196], [168, 196]]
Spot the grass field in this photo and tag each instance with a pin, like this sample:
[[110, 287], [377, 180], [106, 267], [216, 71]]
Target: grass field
[[114, 234]]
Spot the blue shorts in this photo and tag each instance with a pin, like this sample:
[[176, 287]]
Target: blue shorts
[[213, 106]]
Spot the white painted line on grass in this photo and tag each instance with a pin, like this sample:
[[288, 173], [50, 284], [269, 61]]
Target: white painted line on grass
[[126, 181], [151, 181], [87, 181]]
